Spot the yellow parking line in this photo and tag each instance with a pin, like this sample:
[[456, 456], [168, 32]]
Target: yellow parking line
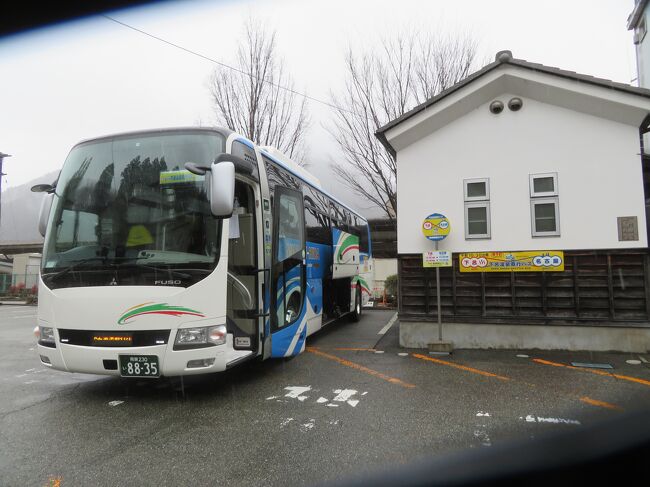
[[352, 349], [461, 367], [585, 399], [595, 372], [360, 368], [602, 404]]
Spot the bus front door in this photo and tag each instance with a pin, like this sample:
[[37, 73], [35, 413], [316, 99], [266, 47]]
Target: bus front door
[[288, 320]]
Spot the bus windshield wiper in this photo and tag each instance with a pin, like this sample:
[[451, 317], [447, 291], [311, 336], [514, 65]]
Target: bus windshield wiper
[[178, 272], [79, 262]]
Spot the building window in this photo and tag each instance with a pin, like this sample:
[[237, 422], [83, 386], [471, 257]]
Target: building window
[[477, 189], [542, 185], [477, 208], [544, 205]]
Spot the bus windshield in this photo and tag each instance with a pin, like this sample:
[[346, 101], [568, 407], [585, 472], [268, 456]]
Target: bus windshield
[[126, 212]]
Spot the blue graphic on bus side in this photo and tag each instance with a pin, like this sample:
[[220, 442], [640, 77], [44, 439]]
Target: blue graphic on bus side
[[289, 341]]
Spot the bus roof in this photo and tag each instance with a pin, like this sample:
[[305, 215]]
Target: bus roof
[[219, 130]]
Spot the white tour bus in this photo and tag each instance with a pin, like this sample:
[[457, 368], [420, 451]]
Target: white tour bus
[[186, 251]]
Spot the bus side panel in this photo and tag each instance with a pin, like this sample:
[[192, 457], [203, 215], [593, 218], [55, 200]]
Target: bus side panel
[[346, 254], [319, 258], [365, 278], [291, 339]]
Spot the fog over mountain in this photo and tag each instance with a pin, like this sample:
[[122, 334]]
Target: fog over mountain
[[19, 217]]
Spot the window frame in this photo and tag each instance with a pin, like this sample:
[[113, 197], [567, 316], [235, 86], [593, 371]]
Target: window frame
[[535, 201], [543, 194], [478, 204], [476, 198]]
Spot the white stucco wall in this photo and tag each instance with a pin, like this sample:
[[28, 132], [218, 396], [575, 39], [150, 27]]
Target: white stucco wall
[[597, 161]]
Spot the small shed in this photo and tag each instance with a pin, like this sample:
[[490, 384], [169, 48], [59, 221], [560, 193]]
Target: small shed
[[526, 161]]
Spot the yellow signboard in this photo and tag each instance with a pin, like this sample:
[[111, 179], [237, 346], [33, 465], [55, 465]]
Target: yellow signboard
[[533, 261], [436, 227]]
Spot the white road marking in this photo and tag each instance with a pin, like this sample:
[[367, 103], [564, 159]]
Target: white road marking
[[403, 354], [342, 395], [388, 325], [308, 425], [295, 391], [537, 419], [481, 413], [115, 403], [285, 422], [633, 362], [523, 355], [483, 437]]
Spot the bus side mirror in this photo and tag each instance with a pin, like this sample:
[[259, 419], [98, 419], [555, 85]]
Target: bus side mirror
[[44, 212], [222, 189]]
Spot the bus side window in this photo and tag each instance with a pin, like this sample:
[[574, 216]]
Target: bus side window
[[363, 237], [317, 225]]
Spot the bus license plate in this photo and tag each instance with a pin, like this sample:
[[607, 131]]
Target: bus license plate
[[139, 366]]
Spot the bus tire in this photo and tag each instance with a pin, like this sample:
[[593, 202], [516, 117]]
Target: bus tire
[[356, 313]]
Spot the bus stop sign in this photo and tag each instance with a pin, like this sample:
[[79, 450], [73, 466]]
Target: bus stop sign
[[436, 227]]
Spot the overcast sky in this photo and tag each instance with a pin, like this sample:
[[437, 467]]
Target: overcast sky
[[94, 77]]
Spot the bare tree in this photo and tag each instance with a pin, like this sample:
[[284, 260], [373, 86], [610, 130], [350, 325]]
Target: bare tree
[[381, 86], [258, 99]]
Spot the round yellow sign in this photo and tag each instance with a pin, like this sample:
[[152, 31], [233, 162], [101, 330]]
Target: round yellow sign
[[436, 226]]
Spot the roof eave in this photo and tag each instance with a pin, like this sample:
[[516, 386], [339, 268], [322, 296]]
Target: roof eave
[[387, 145], [635, 16]]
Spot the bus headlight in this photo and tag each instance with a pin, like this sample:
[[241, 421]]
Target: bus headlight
[[205, 336], [46, 336]]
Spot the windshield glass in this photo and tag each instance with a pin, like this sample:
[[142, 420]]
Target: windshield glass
[[126, 212]]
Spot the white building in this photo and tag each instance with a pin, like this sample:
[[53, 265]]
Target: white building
[[520, 156]]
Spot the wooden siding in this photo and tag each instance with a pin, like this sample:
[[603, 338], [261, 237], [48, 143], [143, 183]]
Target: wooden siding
[[596, 288]]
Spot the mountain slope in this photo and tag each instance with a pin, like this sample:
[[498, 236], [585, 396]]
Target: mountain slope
[[19, 217]]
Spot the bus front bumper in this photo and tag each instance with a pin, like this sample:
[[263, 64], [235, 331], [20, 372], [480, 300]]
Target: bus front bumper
[[105, 360]]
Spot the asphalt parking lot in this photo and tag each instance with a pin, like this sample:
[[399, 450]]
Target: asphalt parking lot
[[353, 403]]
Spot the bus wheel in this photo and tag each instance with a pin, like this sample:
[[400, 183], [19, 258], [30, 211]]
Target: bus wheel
[[356, 313]]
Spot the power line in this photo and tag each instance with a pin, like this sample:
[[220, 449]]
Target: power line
[[224, 65]]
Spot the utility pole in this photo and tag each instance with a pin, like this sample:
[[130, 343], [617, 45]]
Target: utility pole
[[2, 156]]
